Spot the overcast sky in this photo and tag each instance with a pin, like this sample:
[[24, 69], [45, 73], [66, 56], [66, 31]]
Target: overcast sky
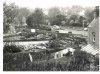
[[52, 3]]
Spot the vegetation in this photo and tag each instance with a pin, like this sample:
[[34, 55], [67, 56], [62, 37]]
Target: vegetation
[[10, 13], [36, 18], [15, 59], [11, 49], [55, 16], [80, 61], [65, 40], [13, 15], [89, 14]]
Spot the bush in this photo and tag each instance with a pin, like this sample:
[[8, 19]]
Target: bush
[[54, 43], [21, 61], [11, 49], [82, 62]]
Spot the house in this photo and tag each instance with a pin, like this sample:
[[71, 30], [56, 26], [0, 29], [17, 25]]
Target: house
[[93, 34], [62, 53]]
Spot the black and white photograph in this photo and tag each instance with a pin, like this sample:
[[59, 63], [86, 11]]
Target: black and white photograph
[[50, 35]]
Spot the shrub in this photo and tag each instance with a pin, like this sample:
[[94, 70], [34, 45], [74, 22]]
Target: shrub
[[54, 43], [11, 49], [82, 61]]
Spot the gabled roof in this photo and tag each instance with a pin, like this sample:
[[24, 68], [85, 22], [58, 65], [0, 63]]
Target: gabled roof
[[94, 22]]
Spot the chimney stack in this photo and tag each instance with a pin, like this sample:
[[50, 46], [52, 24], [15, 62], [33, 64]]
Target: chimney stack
[[96, 12]]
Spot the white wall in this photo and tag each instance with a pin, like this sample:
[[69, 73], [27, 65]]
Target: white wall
[[60, 53]]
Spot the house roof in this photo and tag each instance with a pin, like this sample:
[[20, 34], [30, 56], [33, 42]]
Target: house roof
[[61, 49], [94, 22], [90, 49]]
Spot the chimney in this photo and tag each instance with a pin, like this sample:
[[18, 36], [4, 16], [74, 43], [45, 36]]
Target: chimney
[[96, 12]]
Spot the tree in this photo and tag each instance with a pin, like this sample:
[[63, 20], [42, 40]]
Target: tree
[[59, 18], [9, 13], [74, 10], [72, 19], [77, 20], [73, 15], [23, 14], [89, 14], [52, 13], [36, 18], [81, 20], [55, 16]]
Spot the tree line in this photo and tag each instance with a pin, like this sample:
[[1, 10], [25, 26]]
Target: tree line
[[56, 16]]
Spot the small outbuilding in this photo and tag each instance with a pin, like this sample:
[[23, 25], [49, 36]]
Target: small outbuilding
[[62, 53]]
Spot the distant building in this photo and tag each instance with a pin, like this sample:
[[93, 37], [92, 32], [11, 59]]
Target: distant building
[[33, 30], [93, 34]]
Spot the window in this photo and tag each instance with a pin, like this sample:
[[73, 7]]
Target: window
[[93, 35], [57, 55]]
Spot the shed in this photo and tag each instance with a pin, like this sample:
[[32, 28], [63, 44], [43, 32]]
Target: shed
[[61, 53]]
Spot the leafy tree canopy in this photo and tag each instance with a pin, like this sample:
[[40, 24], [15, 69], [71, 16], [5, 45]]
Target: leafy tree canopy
[[36, 18]]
